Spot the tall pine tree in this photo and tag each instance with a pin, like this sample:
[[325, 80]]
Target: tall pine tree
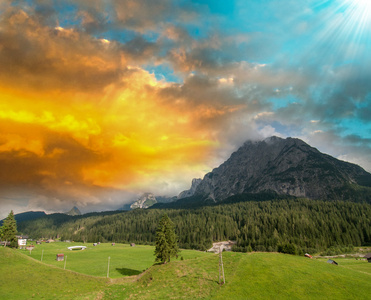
[[9, 230], [166, 240]]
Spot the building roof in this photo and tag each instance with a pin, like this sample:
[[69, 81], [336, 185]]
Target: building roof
[[368, 255]]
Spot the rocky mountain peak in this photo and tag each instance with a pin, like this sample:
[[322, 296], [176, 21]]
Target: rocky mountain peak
[[286, 166]]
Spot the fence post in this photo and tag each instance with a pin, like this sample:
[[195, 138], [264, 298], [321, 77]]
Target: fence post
[[108, 267]]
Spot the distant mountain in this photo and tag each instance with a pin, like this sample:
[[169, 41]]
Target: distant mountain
[[145, 201], [74, 212], [286, 167]]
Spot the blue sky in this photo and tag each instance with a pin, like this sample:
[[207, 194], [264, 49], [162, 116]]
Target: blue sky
[[155, 89]]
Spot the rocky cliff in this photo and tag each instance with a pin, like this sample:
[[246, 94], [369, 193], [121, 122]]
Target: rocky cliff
[[192, 190], [285, 166]]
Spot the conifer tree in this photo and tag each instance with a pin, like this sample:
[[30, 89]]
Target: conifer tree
[[9, 230], [166, 240]]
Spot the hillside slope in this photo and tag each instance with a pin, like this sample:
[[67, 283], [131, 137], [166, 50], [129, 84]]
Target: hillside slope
[[252, 276]]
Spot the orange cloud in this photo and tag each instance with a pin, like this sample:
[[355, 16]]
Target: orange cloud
[[77, 116]]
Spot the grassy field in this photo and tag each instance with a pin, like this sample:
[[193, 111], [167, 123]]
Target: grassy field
[[124, 260], [248, 276]]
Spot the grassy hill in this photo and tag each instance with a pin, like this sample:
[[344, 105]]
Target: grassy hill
[[248, 276]]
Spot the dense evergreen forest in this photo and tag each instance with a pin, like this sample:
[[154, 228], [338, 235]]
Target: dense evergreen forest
[[265, 225]]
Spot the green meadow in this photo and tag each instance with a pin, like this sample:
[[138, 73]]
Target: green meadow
[[248, 276], [124, 260]]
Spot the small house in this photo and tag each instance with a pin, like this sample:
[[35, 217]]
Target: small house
[[60, 257], [308, 255], [132, 245], [330, 261], [113, 244], [368, 257]]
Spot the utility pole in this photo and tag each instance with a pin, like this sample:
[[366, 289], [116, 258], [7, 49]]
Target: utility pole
[[221, 267]]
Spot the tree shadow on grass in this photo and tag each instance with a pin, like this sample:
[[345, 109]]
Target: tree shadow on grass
[[128, 272]]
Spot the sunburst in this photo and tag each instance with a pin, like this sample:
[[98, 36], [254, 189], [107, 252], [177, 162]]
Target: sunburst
[[343, 35], [358, 12], [362, 4]]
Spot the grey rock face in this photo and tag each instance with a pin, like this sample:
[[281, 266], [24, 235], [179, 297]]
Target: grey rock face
[[191, 191], [286, 166], [145, 201]]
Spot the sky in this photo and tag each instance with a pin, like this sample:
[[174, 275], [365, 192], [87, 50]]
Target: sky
[[101, 101]]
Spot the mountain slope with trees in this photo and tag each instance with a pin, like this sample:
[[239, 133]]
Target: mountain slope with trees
[[309, 225]]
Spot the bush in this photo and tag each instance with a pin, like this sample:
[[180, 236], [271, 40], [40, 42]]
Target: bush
[[287, 248]]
